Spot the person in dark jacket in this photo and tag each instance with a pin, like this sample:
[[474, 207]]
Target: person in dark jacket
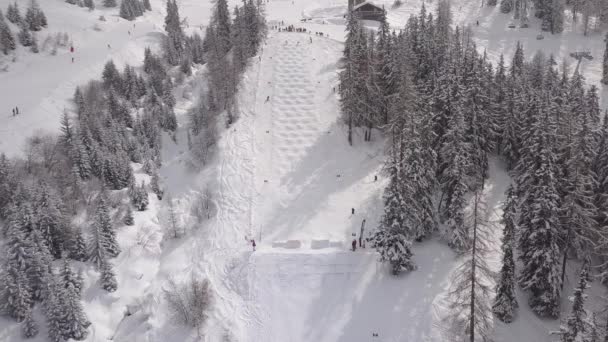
[[354, 244]]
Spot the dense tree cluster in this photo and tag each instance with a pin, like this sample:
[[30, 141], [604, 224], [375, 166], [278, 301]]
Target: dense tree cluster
[[228, 44], [34, 20], [117, 121], [446, 109], [131, 9]]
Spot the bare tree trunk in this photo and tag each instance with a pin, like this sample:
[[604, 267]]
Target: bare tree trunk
[[350, 128], [565, 258], [473, 256]]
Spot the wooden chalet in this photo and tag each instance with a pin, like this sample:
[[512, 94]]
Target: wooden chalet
[[365, 9]]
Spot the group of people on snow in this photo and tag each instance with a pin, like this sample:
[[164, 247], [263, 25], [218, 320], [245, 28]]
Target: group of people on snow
[[15, 111]]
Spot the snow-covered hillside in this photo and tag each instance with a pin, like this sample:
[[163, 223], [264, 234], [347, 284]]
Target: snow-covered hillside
[[284, 175]]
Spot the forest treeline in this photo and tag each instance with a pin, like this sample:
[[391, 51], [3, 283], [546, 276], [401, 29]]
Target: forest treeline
[[446, 110], [85, 174]]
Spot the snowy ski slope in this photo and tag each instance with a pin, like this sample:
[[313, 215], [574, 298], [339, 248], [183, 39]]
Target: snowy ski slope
[[284, 171]]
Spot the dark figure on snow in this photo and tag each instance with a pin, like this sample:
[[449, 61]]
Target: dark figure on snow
[[267, 99], [253, 244], [13, 111], [354, 244], [477, 23], [375, 178], [353, 211], [17, 110]]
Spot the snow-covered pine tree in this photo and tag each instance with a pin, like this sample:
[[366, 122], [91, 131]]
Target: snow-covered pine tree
[[539, 230], [107, 277], [77, 248], [576, 328], [557, 16], [7, 40], [195, 43], [131, 9], [517, 65], [147, 6], [470, 315], [66, 137], [505, 302], [223, 27], [74, 322], [29, 327], [34, 17], [600, 169], [128, 219], [390, 239], [385, 80], [111, 77], [175, 40], [13, 14], [578, 206], [25, 36], [40, 266], [349, 76], [140, 197], [453, 181], [16, 294], [103, 237], [156, 186], [506, 6], [49, 219], [89, 4], [605, 62], [53, 310]]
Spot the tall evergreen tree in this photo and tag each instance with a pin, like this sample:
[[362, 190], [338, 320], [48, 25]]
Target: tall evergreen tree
[[107, 277], [34, 17], [89, 4], [13, 13], [16, 293], [505, 302], [7, 41], [29, 327], [74, 321], [576, 328], [128, 219], [506, 6], [539, 232], [103, 242], [605, 62], [390, 240], [25, 36], [175, 41], [223, 27]]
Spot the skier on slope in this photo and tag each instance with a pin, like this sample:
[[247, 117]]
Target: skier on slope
[[354, 244], [253, 244]]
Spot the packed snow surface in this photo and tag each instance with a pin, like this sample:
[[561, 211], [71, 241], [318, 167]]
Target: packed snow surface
[[284, 176]]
